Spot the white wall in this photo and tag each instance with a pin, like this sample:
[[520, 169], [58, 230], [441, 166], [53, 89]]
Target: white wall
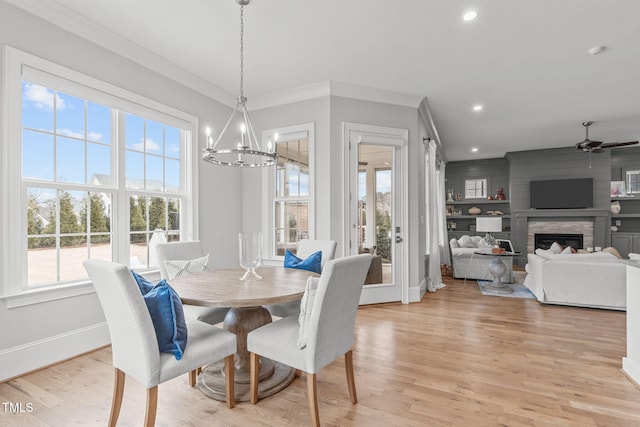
[[35, 335]]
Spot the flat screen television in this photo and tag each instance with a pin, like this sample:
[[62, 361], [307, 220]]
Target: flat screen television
[[561, 194]]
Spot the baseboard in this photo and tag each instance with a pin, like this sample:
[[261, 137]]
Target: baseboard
[[19, 360], [632, 370], [416, 292]]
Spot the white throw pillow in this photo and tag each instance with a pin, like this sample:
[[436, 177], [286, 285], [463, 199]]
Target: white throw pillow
[[306, 305], [466, 242], [566, 250], [556, 248], [634, 256], [176, 268]]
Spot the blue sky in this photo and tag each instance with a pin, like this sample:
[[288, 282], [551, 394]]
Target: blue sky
[[143, 139]]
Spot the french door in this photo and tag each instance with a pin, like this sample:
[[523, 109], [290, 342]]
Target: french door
[[376, 207]]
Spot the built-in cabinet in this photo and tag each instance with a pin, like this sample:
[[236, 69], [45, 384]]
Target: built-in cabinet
[[625, 225], [626, 243]]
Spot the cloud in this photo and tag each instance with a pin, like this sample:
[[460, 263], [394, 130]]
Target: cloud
[[95, 136], [42, 97], [150, 144], [69, 132]]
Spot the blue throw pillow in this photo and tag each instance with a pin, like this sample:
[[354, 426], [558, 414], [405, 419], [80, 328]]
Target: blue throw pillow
[[167, 315], [144, 285], [312, 263]]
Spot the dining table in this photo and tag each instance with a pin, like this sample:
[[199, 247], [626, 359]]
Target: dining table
[[247, 300]]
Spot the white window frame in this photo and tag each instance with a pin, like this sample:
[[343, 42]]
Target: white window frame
[[629, 175], [19, 66], [475, 188], [301, 131]]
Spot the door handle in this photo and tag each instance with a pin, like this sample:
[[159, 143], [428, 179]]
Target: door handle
[[398, 239]]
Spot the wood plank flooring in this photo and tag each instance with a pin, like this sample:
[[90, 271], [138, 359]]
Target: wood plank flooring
[[455, 359]]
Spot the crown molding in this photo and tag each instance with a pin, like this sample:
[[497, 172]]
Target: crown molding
[[331, 88], [68, 20]]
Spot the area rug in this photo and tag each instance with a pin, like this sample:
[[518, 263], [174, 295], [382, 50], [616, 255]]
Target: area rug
[[519, 291]]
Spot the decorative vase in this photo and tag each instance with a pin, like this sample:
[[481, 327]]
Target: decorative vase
[[500, 194], [250, 245], [615, 207], [474, 211]]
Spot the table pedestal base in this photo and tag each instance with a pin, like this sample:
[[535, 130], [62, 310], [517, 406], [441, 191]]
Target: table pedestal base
[[497, 268], [272, 376]]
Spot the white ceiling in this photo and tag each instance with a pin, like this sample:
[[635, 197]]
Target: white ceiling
[[526, 61]]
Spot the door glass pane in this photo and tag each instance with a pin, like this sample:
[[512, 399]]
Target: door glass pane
[[375, 206]]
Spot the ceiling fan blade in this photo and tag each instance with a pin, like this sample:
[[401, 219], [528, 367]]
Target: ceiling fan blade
[[618, 144], [588, 145]]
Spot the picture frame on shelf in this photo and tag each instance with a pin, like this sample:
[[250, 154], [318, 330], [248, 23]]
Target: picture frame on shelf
[[618, 189], [450, 210]]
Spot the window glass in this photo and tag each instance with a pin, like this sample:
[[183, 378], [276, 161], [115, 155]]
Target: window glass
[[475, 189], [68, 156], [291, 202], [633, 182]]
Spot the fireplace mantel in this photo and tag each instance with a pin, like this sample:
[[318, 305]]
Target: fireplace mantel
[[560, 213]]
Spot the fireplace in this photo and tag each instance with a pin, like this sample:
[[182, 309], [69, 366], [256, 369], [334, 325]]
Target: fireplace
[[545, 240]]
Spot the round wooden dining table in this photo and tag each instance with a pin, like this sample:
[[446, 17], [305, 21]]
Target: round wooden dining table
[[246, 299]]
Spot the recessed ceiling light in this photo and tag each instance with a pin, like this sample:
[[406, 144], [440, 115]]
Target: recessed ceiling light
[[470, 15], [477, 107], [596, 50], [474, 150]]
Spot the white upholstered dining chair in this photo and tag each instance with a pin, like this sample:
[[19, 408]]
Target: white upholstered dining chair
[[322, 334], [134, 344], [305, 248], [169, 253]]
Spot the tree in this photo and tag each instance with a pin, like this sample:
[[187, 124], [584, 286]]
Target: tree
[[35, 224], [157, 213], [68, 221], [383, 241], [137, 219], [97, 214]]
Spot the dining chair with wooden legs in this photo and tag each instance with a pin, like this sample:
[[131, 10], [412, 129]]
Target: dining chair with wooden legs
[[324, 331], [134, 344]]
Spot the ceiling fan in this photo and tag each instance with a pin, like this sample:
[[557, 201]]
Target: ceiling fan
[[590, 146]]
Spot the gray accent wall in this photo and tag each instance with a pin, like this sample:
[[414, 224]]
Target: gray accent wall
[[516, 170]]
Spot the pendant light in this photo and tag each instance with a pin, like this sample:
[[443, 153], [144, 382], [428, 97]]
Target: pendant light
[[247, 151]]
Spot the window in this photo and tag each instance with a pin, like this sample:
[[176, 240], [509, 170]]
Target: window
[[633, 182], [101, 172], [475, 188], [289, 190]]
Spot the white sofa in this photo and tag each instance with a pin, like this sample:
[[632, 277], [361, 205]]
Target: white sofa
[[468, 265], [587, 280]]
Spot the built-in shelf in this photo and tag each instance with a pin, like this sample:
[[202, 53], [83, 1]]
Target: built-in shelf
[[476, 202], [476, 216]]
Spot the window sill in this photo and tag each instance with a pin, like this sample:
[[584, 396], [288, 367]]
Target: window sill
[[37, 296]]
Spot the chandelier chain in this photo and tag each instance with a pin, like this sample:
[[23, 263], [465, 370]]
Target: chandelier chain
[[241, 52]]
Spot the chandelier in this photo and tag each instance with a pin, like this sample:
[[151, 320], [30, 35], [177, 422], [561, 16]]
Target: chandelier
[[247, 152]]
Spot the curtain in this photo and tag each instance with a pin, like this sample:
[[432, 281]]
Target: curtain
[[436, 226]]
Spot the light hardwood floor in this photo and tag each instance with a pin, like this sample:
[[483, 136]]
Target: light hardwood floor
[[455, 359]]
